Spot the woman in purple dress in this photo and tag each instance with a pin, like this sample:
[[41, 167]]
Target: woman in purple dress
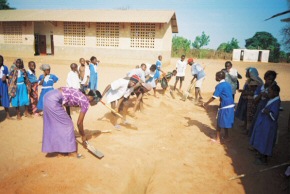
[[58, 128]]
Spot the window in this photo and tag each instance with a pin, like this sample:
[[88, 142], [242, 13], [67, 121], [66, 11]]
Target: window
[[74, 33], [12, 32], [142, 35], [107, 34]]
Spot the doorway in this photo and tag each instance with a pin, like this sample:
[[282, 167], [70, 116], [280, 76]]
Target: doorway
[[260, 56], [42, 44]]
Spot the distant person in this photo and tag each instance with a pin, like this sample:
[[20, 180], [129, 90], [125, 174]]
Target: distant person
[[180, 68], [139, 71], [198, 73], [265, 129], [4, 97], [46, 81], [84, 74], [149, 76], [231, 76], [166, 78], [226, 114], [19, 89], [158, 69], [33, 95], [94, 77], [73, 80]]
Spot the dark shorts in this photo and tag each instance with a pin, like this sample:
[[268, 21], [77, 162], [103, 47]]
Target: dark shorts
[[181, 78]]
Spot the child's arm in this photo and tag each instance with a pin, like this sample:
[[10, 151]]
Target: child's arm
[[208, 102]]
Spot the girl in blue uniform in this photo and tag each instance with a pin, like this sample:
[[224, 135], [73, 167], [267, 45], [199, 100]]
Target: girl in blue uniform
[[225, 115], [20, 81], [93, 73], [265, 129], [46, 80], [4, 97]]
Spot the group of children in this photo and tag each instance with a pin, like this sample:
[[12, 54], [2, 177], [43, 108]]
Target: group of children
[[258, 107], [20, 87]]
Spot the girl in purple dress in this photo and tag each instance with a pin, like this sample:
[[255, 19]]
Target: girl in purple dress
[[58, 128]]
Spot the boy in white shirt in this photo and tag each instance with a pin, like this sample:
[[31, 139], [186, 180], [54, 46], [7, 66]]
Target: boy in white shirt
[[73, 80], [180, 68]]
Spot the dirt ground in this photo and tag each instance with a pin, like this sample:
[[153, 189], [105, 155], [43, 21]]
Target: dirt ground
[[167, 149]]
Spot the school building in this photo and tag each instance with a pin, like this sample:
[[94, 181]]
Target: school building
[[113, 36], [247, 55]]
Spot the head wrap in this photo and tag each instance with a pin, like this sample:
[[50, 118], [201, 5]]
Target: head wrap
[[94, 93], [135, 78], [44, 67], [254, 75], [190, 60], [147, 86]]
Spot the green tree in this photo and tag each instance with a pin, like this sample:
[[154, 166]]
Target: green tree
[[5, 5], [201, 41], [180, 45], [285, 32], [265, 41], [229, 46]]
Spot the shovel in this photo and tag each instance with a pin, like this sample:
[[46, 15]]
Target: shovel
[[186, 93], [92, 150], [119, 115]]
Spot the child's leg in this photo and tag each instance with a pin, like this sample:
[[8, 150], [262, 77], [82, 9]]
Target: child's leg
[[7, 113], [226, 133], [196, 93], [26, 113], [175, 83], [180, 85], [18, 113]]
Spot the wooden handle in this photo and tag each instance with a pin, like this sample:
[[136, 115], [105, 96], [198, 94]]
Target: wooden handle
[[112, 109]]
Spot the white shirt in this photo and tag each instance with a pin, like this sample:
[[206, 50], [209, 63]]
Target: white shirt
[[86, 74], [180, 68], [73, 80], [139, 72], [119, 88]]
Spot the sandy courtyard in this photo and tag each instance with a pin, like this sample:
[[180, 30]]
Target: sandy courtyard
[[167, 148]]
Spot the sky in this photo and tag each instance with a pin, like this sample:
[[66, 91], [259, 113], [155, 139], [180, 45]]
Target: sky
[[222, 20]]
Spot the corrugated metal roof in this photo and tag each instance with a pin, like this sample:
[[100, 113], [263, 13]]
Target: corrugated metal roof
[[142, 16]]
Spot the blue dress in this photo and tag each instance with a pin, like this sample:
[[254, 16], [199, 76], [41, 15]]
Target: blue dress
[[265, 129], [47, 86], [93, 77], [158, 67], [21, 98], [226, 111], [4, 87]]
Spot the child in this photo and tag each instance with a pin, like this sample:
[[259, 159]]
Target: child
[[225, 115], [165, 80], [140, 91], [120, 89], [33, 95], [266, 125], [73, 80], [19, 88], [180, 67], [94, 73], [158, 69], [261, 95], [4, 97], [46, 80], [149, 74], [84, 76], [140, 72], [198, 73]]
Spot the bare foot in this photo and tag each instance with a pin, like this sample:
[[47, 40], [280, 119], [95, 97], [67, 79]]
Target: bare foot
[[215, 141], [28, 115], [19, 118]]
